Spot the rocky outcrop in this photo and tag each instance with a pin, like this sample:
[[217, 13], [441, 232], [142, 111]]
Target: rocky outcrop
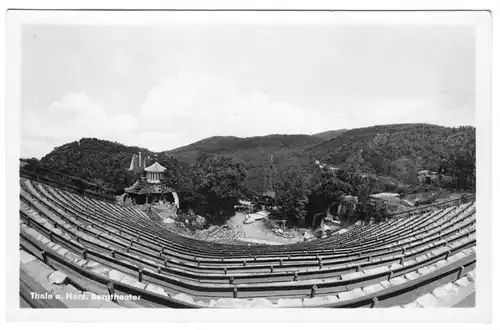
[[165, 210]]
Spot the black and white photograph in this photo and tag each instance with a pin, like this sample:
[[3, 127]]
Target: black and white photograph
[[239, 160]]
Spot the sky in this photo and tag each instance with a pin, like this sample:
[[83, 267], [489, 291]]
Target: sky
[[162, 87]]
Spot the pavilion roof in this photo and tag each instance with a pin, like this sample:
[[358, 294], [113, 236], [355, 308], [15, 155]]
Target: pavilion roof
[[155, 168], [142, 187]]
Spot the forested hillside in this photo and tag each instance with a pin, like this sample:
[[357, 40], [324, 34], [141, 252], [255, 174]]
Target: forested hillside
[[392, 151], [399, 151], [212, 174], [246, 149], [396, 152], [255, 152], [106, 163]]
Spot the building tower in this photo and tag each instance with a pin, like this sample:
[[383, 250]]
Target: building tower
[[138, 163], [270, 179]]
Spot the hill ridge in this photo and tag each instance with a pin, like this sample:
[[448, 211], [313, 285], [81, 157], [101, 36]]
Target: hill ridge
[[397, 150]]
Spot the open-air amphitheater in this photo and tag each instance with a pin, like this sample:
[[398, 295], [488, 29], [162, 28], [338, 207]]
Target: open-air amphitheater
[[83, 250]]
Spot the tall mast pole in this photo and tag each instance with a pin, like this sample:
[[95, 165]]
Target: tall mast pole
[[271, 174]]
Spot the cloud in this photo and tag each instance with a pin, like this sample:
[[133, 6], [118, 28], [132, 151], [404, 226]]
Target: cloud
[[179, 111], [193, 106], [196, 105], [72, 117]]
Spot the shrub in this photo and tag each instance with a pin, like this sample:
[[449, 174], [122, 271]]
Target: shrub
[[426, 201], [193, 221], [401, 190]]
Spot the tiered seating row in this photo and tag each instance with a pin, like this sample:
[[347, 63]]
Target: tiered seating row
[[100, 239], [315, 263], [301, 251]]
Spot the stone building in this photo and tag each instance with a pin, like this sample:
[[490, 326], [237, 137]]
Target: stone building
[[151, 189], [427, 176]]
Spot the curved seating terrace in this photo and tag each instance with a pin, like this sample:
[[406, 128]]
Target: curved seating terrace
[[86, 246]]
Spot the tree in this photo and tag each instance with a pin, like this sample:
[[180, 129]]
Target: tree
[[462, 165], [375, 208], [346, 209], [326, 190], [292, 192], [218, 184]]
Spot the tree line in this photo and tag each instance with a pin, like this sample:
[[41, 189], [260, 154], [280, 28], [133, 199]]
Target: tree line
[[369, 160]]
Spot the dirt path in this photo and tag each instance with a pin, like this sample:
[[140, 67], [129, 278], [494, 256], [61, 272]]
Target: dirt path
[[237, 232], [259, 231]]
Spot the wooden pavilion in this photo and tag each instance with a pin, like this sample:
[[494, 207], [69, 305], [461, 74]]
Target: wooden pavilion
[[151, 189]]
